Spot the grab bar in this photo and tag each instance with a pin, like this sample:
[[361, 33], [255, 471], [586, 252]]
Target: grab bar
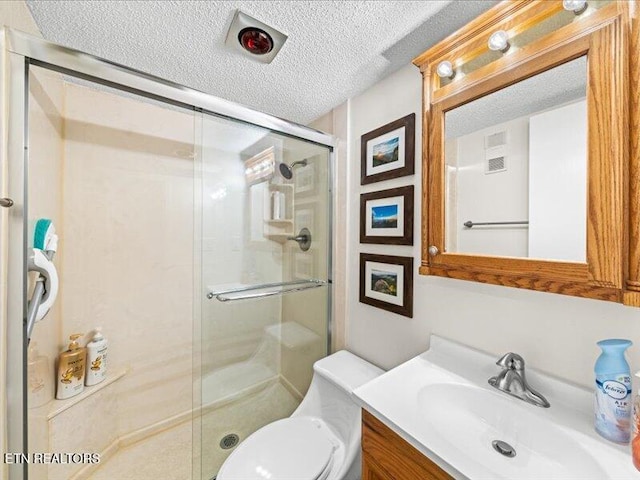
[[298, 285]]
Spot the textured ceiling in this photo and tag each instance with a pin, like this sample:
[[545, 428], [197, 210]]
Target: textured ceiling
[[335, 49], [555, 87]]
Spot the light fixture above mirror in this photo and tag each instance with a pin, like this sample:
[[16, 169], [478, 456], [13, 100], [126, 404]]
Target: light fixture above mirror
[[499, 41], [575, 6], [445, 70]]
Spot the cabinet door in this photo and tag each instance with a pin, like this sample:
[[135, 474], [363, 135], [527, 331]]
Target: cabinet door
[[370, 471], [386, 456]]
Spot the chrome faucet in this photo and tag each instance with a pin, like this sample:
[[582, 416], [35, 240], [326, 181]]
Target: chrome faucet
[[511, 380]]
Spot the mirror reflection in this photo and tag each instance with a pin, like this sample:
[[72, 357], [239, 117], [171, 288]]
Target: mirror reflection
[[516, 169]]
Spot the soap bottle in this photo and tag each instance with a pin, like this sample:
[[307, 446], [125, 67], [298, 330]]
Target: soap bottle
[[613, 391], [635, 440], [38, 378], [96, 359], [71, 365]]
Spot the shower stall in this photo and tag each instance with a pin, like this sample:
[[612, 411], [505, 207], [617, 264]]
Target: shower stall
[[195, 232]]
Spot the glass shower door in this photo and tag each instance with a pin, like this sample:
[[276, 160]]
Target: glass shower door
[[115, 174], [265, 256]]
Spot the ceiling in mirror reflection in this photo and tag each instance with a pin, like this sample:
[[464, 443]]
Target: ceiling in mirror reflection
[[557, 86]]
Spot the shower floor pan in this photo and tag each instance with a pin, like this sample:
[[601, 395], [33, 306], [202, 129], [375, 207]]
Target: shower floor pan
[[239, 407]]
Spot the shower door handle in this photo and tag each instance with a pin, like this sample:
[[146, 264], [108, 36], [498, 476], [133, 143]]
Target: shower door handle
[[6, 202]]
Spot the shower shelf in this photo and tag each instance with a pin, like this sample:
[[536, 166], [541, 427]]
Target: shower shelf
[[56, 407], [279, 229], [284, 221]]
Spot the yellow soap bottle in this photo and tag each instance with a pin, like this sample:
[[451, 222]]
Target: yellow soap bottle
[[71, 366]]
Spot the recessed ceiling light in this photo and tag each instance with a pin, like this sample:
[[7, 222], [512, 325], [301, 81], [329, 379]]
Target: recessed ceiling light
[[254, 38], [255, 41]]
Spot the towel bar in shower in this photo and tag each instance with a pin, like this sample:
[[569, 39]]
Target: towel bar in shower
[[296, 286], [470, 224]]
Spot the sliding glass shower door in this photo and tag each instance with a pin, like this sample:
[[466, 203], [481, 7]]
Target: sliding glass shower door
[[265, 258]]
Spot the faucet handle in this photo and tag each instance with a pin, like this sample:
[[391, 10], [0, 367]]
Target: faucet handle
[[511, 361]]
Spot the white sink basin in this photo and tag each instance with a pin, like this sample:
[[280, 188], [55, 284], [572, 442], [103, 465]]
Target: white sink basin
[[441, 403], [543, 450]]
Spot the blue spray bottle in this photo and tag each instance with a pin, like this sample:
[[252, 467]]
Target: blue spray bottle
[[613, 391]]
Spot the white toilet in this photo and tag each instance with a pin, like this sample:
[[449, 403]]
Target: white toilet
[[320, 441]]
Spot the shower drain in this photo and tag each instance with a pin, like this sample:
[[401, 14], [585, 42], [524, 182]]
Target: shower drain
[[229, 441]]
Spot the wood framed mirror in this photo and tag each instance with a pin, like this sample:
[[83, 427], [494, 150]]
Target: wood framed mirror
[[526, 149]]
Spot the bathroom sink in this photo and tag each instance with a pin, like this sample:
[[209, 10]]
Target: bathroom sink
[[469, 419], [441, 403]]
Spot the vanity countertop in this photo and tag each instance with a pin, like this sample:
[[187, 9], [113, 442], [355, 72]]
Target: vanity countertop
[[440, 402]]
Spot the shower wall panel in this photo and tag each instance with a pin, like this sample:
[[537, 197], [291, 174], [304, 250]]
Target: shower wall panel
[[128, 263]]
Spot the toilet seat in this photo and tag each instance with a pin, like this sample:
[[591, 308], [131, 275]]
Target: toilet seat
[[296, 448]]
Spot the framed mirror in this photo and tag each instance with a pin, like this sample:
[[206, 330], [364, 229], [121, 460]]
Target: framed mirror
[[525, 155]]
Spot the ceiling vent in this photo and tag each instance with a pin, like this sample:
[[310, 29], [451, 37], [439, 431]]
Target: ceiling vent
[[253, 38], [495, 152]]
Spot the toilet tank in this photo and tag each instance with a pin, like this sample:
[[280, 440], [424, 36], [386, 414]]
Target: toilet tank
[[346, 370], [330, 393]]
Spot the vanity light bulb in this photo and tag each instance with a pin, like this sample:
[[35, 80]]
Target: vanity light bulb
[[499, 41], [575, 6], [445, 70]]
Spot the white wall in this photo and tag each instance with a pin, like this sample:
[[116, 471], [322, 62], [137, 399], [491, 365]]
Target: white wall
[[558, 183], [492, 197], [554, 333]]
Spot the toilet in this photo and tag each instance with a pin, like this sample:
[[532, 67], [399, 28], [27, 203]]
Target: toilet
[[321, 439]]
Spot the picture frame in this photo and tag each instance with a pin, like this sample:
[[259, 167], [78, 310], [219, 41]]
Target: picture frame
[[389, 151], [386, 216], [386, 282]]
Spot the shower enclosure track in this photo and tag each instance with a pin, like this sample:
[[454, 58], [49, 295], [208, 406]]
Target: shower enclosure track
[[298, 286]]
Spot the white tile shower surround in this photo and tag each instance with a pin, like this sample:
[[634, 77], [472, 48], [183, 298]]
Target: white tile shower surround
[[168, 454]]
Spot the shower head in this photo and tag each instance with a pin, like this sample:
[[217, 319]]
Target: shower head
[[287, 170]]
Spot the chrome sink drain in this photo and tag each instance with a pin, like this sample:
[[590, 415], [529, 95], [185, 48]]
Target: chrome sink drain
[[503, 448]]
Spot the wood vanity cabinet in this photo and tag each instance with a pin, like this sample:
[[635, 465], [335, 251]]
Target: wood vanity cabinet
[[386, 456], [544, 36]]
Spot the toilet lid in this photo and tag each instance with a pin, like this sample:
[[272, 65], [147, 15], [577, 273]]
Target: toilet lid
[[297, 448]]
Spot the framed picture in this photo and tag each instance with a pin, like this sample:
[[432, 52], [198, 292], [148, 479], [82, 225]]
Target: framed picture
[[388, 152], [386, 282], [387, 216]]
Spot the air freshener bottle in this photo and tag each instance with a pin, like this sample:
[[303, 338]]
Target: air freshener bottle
[[613, 391]]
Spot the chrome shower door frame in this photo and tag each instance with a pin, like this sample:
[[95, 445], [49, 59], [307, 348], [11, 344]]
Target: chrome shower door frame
[[15, 345], [19, 51]]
